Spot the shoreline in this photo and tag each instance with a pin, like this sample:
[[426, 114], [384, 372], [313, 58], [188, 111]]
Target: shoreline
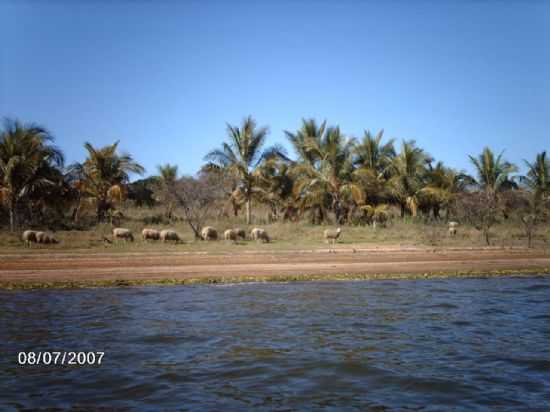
[[33, 285], [142, 268]]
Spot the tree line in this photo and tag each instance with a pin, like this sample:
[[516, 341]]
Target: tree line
[[332, 178]]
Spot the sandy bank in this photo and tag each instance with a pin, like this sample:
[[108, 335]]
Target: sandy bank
[[101, 269]]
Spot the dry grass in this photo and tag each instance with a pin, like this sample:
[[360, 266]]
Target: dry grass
[[286, 236]]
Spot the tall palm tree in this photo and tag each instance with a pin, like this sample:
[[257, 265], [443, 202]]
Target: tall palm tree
[[168, 173], [407, 172], [442, 185], [167, 177], [275, 187], [493, 173], [300, 140], [537, 178], [328, 172], [372, 154], [104, 175], [241, 155], [373, 160], [28, 163]]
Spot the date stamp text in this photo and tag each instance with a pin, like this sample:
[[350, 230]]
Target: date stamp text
[[60, 358]]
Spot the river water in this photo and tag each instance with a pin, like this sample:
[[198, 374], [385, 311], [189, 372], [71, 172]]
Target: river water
[[448, 344]]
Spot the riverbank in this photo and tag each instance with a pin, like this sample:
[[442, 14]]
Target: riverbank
[[91, 269]]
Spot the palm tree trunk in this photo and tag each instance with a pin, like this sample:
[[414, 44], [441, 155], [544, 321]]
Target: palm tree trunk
[[76, 212], [248, 211], [436, 212], [101, 209], [13, 217], [236, 207]]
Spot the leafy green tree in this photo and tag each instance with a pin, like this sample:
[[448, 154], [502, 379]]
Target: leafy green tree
[[328, 173], [372, 161], [29, 164], [493, 173], [104, 175], [407, 171], [241, 155], [371, 154], [441, 187], [275, 184], [309, 134], [167, 178], [142, 191], [537, 178]]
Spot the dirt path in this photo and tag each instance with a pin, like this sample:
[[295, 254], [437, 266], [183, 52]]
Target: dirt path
[[82, 266]]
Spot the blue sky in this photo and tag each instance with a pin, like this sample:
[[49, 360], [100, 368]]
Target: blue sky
[[165, 76]]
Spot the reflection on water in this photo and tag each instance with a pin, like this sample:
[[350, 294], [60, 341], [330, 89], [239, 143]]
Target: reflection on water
[[454, 344]]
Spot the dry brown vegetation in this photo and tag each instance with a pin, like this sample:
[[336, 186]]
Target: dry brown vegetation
[[378, 194], [285, 236]]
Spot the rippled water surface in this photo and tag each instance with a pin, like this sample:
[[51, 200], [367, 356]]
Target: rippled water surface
[[454, 344]]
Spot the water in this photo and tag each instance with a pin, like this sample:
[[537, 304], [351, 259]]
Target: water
[[454, 344]]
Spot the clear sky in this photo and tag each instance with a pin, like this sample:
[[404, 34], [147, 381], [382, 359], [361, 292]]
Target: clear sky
[[165, 76]]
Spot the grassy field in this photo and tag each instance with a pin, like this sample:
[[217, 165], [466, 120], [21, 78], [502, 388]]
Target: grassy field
[[285, 236]]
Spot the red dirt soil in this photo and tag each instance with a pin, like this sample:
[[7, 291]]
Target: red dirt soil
[[91, 266]]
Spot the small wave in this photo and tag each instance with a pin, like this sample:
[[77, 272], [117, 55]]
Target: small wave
[[534, 365], [442, 386], [439, 290], [443, 306], [161, 339], [538, 286]]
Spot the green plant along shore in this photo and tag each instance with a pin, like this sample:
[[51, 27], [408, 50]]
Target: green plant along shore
[[16, 285], [367, 182]]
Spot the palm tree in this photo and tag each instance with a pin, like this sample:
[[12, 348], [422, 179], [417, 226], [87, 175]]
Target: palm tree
[[104, 175], [241, 155], [373, 160], [275, 187], [327, 171], [407, 171], [538, 176], [168, 175], [371, 154], [442, 185], [28, 161], [493, 174], [300, 140]]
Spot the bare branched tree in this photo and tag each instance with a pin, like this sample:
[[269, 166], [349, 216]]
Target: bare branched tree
[[530, 209], [481, 210], [197, 198]]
